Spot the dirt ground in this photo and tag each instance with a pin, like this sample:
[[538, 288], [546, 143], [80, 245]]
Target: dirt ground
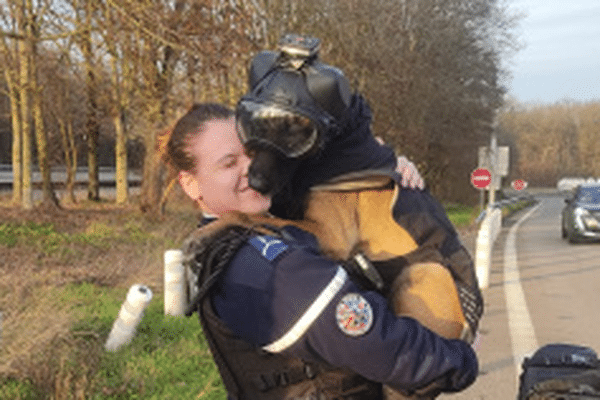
[[127, 248], [98, 243]]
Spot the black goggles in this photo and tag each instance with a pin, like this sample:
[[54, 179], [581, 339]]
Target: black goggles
[[291, 133]]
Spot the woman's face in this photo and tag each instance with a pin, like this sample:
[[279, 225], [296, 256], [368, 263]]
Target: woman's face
[[221, 175]]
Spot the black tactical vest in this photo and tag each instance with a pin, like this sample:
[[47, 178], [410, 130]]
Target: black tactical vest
[[250, 373]]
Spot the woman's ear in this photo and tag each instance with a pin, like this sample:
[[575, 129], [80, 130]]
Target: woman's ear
[[190, 185]]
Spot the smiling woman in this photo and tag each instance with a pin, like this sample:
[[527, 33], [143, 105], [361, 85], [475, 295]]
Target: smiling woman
[[212, 162]]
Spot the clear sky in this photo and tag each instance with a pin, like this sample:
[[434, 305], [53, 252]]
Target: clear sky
[[560, 59]]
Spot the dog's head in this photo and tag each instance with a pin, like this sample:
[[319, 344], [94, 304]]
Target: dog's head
[[291, 113], [277, 140]]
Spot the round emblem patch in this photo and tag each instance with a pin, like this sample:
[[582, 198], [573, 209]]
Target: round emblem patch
[[354, 314]]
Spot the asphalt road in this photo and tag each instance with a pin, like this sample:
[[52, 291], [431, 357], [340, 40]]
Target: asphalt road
[[106, 176], [542, 290], [58, 174]]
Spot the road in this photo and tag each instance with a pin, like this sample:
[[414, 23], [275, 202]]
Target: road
[[106, 176], [542, 290]]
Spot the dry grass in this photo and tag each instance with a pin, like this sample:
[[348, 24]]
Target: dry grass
[[88, 242]]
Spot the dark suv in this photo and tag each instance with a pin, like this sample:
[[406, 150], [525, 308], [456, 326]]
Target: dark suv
[[581, 215]]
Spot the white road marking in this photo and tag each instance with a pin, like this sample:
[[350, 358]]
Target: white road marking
[[522, 334]]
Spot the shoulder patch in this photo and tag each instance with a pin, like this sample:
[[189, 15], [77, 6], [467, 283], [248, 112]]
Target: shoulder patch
[[354, 315], [269, 246]]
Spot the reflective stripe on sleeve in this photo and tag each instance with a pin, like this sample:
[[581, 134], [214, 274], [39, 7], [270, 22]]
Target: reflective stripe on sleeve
[[311, 314]]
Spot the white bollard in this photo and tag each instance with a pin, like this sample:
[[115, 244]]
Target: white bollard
[[486, 236], [482, 258], [175, 283], [130, 315]]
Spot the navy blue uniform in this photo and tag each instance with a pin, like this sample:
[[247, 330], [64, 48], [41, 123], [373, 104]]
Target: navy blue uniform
[[283, 296]]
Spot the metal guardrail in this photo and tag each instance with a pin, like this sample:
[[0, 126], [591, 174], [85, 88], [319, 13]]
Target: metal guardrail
[[490, 223], [106, 177], [502, 203]]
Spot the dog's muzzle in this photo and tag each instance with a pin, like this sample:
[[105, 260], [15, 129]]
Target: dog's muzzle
[[261, 125]]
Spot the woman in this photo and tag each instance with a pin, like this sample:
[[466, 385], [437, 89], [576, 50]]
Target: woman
[[282, 321]]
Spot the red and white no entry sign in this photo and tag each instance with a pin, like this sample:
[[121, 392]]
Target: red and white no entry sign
[[481, 178], [518, 184]]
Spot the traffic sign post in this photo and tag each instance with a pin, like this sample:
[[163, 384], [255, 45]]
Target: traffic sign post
[[519, 184], [481, 178]]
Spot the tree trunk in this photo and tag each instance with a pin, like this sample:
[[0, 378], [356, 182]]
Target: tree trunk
[[24, 77], [48, 195], [67, 140], [16, 139], [122, 187], [121, 161], [151, 180], [92, 152], [92, 126]]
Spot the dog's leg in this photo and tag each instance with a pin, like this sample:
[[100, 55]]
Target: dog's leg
[[427, 292], [333, 218]]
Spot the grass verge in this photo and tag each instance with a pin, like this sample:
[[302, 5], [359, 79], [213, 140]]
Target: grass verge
[[167, 359], [461, 215], [61, 289]]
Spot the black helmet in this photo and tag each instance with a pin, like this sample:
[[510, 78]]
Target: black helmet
[[295, 101]]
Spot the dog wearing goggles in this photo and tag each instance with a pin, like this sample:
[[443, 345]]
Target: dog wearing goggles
[[292, 123]]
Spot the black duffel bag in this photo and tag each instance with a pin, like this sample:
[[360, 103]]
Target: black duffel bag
[[560, 372]]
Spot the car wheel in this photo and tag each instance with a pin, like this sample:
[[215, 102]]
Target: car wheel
[[563, 231], [573, 238]]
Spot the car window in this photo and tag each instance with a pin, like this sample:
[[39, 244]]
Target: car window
[[589, 195]]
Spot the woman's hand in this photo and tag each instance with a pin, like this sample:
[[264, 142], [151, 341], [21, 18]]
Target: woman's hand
[[410, 174]]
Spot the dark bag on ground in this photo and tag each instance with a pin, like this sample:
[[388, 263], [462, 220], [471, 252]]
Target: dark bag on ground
[[560, 372]]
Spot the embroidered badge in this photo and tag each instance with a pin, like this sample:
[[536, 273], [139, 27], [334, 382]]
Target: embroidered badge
[[354, 314], [268, 246]]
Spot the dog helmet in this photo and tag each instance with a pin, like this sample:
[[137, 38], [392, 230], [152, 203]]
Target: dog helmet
[[295, 101]]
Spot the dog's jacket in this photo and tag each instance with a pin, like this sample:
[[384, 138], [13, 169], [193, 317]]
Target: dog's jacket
[[405, 222]]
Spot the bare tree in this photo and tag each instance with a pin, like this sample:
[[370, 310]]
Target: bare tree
[[11, 78], [431, 71], [24, 54], [63, 99], [553, 141], [26, 22]]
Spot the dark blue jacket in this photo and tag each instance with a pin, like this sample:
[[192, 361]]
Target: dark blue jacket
[[283, 296]]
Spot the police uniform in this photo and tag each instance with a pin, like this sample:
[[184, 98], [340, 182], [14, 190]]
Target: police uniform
[[284, 322]]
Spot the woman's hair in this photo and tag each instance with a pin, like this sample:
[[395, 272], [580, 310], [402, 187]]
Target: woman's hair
[[177, 152]]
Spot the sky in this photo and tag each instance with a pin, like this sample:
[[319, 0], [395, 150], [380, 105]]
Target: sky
[[560, 57]]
